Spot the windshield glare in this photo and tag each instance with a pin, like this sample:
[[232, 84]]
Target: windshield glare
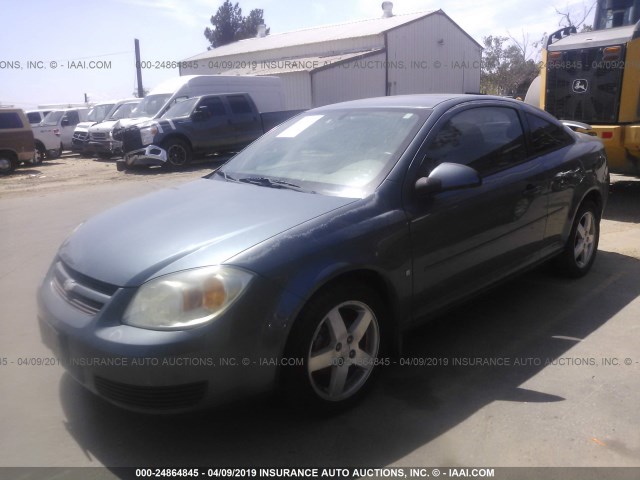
[[343, 153], [123, 111], [52, 118], [99, 112], [150, 105], [180, 109]]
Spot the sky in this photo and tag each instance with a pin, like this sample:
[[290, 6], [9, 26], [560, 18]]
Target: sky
[[39, 38]]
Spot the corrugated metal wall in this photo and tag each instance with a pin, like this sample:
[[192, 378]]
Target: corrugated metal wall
[[297, 90], [432, 55], [361, 78]]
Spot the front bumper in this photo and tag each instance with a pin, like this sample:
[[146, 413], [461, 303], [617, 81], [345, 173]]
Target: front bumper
[[107, 146], [150, 155], [166, 371], [78, 146]]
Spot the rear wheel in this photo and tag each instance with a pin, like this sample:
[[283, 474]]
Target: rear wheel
[[40, 155], [8, 163], [582, 245], [178, 153], [336, 345]]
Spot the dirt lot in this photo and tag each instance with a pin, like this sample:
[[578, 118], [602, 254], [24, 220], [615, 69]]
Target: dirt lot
[[71, 170]]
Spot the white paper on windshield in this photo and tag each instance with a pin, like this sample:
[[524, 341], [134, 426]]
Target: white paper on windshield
[[300, 126]]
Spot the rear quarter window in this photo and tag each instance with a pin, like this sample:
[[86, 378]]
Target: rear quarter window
[[545, 136], [10, 120], [239, 104]]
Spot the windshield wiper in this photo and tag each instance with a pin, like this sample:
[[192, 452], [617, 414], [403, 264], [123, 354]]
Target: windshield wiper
[[268, 182], [228, 178]]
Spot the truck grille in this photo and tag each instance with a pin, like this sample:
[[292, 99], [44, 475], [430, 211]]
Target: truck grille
[[585, 87], [82, 136], [99, 136], [130, 139], [160, 398], [84, 293]]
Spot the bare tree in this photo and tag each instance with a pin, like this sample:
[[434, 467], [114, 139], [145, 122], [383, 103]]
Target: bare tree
[[571, 18]]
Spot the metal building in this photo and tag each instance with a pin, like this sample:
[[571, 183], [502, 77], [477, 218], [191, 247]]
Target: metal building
[[396, 54]]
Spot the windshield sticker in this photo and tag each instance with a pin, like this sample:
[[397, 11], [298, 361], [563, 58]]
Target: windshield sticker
[[300, 126]]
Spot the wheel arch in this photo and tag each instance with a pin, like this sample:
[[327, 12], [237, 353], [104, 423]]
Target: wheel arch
[[177, 136]]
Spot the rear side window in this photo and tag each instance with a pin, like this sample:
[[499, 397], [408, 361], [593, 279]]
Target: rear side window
[[488, 139], [34, 117], [545, 136], [214, 104], [239, 104], [10, 120]]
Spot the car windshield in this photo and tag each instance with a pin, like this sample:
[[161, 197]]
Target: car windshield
[[99, 112], [334, 152], [52, 118], [123, 111], [180, 109], [150, 105]]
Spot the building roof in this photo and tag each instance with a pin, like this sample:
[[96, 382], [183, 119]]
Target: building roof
[[324, 33]]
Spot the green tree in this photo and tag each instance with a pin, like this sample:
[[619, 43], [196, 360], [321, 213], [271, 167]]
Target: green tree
[[505, 69], [230, 26]]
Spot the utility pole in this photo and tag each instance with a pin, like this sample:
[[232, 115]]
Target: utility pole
[[138, 69]]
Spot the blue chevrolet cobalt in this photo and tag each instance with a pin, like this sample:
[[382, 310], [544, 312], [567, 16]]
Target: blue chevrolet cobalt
[[296, 265]]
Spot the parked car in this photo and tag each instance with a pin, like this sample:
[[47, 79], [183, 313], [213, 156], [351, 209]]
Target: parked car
[[100, 139], [36, 116], [96, 114], [16, 140], [54, 133], [299, 262], [196, 127]]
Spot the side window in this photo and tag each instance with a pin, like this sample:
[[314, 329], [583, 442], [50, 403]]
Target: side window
[[546, 136], [488, 139], [34, 117], [239, 104], [215, 106], [10, 120], [73, 117]]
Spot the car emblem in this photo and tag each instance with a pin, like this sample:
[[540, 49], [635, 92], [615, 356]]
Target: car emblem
[[68, 285], [580, 85]]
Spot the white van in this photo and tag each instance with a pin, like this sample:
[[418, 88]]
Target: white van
[[54, 133], [266, 92], [36, 116]]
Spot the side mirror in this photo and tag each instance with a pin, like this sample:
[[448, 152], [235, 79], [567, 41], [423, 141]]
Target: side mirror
[[64, 122], [201, 113], [446, 177]]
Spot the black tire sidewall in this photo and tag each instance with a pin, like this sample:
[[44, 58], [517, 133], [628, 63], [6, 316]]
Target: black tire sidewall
[[567, 263], [173, 142]]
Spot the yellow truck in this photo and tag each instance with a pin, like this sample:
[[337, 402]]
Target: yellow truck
[[594, 78]]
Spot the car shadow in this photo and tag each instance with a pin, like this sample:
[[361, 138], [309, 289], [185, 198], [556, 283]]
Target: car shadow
[[623, 204], [534, 316]]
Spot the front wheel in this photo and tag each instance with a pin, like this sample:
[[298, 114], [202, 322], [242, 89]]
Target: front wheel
[[582, 245], [336, 345], [178, 153]]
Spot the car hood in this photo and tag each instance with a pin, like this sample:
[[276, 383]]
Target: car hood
[[199, 223], [106, 126], [129, 122], [84, 125]]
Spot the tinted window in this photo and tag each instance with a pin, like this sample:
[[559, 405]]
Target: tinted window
[[546, 136], [10, 120], [214, 104], [34, 117], [487, 139], [73, 117], [239, 104]]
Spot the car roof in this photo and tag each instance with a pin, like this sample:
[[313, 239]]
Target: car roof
[[430, 100]]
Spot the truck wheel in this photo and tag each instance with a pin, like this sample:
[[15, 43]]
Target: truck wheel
[[8, 163], [178, 153], [41, 153]]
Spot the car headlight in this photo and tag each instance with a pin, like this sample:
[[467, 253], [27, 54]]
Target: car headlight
[[186, 299], [147, 134]]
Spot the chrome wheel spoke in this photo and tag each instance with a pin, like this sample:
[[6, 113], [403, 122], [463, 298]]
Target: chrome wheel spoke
[[579, 249], [360, 326], [336, 324], [338, 380], [322, 359]]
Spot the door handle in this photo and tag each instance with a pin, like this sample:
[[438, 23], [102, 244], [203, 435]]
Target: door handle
[[532, 190]]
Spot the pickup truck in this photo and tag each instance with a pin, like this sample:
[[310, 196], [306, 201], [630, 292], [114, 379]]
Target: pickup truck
[[196, 127]]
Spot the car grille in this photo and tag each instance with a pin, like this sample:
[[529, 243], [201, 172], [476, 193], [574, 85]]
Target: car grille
[[82, 136], [159, 398], [131, 139], [80, 291], [99, 136]]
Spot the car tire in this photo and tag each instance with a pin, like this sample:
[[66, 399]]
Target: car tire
[[328, 367], [178, 153], [582, 245], [8, 163], [40, 155]]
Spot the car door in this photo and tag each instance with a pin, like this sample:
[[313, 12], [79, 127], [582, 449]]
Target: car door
[[67, 127], [244, 120], [214, 129], [463, 240]]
